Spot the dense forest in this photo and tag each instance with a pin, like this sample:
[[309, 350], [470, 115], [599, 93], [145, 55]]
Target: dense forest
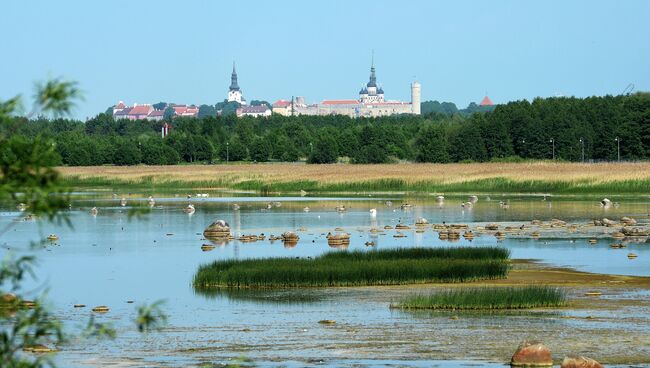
[[541, 129]]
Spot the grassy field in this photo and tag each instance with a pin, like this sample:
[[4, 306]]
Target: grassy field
[[358, 268], [533, 177], [520, 297]]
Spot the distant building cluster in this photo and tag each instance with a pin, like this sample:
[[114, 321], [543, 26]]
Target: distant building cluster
[[148, 112], [370, 103]]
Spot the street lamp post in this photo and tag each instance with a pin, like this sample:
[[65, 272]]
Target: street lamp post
[[618, 148], [553, 142], [582, 142], [227, 152], [311, 148]]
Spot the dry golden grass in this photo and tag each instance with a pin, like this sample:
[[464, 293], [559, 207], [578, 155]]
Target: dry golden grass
[[344, 173]]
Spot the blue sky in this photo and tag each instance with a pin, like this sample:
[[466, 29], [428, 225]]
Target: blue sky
[[182, 51]]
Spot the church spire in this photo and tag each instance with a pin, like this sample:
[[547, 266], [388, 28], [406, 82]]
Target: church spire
[[233, 79], [373, 77]]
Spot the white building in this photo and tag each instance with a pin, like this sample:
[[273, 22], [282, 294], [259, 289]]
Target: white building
[[371, 103], [254, 111], [234, 93]]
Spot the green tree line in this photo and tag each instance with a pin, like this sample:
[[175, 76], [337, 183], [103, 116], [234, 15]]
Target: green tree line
[[560, 127]]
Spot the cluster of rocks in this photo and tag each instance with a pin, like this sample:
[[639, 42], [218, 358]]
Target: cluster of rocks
[[535, 354]]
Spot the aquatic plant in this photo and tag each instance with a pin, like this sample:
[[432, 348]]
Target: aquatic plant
[[520, 297], [359, 268]]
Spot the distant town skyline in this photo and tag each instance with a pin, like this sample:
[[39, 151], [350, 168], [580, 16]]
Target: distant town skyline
[[458, 50]]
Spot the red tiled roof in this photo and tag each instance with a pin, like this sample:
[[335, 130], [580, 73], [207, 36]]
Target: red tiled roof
[[486, 101], [281, 103], [340, 102], [157, 113], [140, 110], [120, 105], [180, 109]]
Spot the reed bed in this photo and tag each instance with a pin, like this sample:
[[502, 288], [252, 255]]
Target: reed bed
[[529, 177], [358, 268], [522, 297]]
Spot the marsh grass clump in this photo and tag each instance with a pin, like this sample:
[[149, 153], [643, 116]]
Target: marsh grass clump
[[358, 268], [488, 298]]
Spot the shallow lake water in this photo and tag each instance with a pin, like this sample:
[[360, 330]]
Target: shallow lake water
[[110, 258]]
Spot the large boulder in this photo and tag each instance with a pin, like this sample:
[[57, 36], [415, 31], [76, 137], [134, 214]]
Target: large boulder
[[576, 361], [532, 354], [217, 230]]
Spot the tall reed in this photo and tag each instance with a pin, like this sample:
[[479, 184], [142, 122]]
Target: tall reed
[[523, 297], [358, 268]]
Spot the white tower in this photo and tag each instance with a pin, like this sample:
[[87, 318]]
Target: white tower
[[234, 93], [415, 97]]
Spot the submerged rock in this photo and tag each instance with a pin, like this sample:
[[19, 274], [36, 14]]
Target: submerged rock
[[101, 309], [576, 361], [532, 354], [39, 349]]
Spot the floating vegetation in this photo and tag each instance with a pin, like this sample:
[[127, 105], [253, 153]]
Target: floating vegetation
[[359, 268], [521, 297]]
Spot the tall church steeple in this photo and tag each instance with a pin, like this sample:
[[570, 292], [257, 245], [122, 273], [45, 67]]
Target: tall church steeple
[[234, 93], [233, 79], [373, 77]]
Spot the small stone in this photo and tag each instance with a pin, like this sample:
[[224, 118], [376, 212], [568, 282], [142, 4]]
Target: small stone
[[38, 348], [576, 361], [79, 305], [101, 309], [327, 322]]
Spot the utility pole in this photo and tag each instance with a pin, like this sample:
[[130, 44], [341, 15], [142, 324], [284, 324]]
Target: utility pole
[[582, 142], [618, 148], [227, 152], [553, 142]]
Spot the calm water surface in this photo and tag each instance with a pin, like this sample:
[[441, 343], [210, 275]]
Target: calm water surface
[[108, 259]]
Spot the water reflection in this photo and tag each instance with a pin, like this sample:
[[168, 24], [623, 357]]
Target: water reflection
[[275, 296]]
